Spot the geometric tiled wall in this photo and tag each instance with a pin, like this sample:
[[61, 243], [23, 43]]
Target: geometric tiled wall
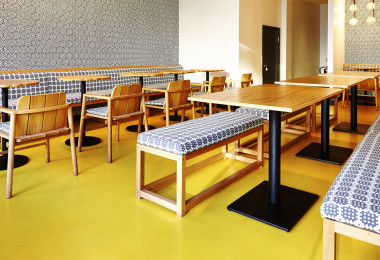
[[39, 34], [362, 41]]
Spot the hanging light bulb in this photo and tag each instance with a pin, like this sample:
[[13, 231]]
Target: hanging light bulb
[[353, 8], [371, 20], [371, 6], [353, 21]]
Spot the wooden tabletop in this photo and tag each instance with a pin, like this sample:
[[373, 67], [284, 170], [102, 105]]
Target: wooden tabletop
[[205, 70], [17, 83], [353, 74], [83, 77], [285, 98], [318, 81], [176, 71], [141, 74]]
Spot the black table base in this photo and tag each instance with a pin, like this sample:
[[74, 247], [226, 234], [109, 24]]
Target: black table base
[[19, 160], [292, 205], [87, 141], [336, 154], [346, 127], [134, 128]]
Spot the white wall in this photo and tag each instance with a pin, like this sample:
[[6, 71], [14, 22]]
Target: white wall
[[335, 35], [209, 36], [323, 35]]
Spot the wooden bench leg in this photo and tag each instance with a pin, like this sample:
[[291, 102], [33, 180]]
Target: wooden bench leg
[[181, 186], [140, 165], [329, 240]]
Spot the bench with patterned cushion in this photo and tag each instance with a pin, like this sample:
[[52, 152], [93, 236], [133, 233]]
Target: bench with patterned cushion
[[375, 125], [352, 205], [184, 141]]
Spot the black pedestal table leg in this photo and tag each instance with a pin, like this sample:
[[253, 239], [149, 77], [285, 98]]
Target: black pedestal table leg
[[274, 155], [325, 134]]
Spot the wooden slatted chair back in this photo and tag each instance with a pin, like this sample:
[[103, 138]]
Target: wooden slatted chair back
[[246, 80], [36, 120], [129, 104], [178, 92], [217, 84]]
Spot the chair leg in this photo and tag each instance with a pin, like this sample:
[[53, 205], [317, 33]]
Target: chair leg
[[139, 125], [109, 139], [47, 150], [343, 98], [314, 117], [72, 141], [210, 108], [81, 130], [117, 131], [183, 115], [193, 110], [11, 150], [167, 115], [202, 104]]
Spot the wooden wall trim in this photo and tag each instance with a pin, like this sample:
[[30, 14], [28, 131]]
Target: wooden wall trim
[[75, 69]]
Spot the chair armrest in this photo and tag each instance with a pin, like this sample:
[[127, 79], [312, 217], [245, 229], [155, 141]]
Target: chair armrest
[[155, 89], [7, 110], [96, 96]]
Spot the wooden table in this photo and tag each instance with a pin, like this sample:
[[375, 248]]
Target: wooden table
[[140, 75], [359, 74], [87, 140], [207, 72], [270, 202], [19, 160], [336, 82]]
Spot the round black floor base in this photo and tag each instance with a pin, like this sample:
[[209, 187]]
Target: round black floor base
[[19, 160], [176, 118], [87, 141], [134, 128]]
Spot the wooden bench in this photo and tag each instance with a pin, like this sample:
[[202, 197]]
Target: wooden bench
[[351, 207], [184, 141]]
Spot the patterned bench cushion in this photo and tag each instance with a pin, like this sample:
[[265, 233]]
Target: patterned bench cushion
[[16, 93], [256, 112], [354, 197], [375, 125], [192, 135]]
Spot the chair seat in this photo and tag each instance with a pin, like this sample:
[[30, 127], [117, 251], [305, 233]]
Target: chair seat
[[354, 197], [104, 92], [263, 113], [157, 86], [192, 135], [156, 102], [100, 111], [5, 126]]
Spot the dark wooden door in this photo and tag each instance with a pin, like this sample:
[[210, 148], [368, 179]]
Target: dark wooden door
[[271, 54]]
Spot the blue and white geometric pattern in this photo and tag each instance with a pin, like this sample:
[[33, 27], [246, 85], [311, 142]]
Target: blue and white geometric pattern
[[156, 102], [192, 135], [263, 113], [375, 125], [5, 126], [67, 34], [100, 111], [354, 197]]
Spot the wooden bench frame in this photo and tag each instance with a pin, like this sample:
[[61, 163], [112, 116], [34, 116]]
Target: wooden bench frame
[[183, 205], [331, 228]]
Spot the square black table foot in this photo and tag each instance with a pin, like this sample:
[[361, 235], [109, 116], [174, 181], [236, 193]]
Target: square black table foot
[[346, 127], [134, 128], [87, 141], [176, 118], [284, 215], [336, 155], [19, 160]]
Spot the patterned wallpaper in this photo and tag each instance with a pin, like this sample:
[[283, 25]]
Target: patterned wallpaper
[[42, 34], [362, 41]]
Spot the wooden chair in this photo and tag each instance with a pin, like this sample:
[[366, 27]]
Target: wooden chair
[[37, 118], [175, 99], [217, 84], [123, 105], [245, 81]]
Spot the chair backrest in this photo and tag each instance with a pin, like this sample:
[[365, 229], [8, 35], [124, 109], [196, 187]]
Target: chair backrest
[[129, 104], [178, 92], [217, 84], [36, 119], [246, 80]]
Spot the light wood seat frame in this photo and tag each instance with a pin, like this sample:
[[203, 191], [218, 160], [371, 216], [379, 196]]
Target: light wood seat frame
[[38, 118], [176, 96], [287, 127], [122, 106], [331, 228], [245, 81], [182, 205]]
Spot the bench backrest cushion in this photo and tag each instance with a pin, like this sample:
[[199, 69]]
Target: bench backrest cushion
[[354, 197], [375, 125], [15, 93], [192, 135]]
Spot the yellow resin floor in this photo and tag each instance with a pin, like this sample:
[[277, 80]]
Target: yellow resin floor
[[95, 215]]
